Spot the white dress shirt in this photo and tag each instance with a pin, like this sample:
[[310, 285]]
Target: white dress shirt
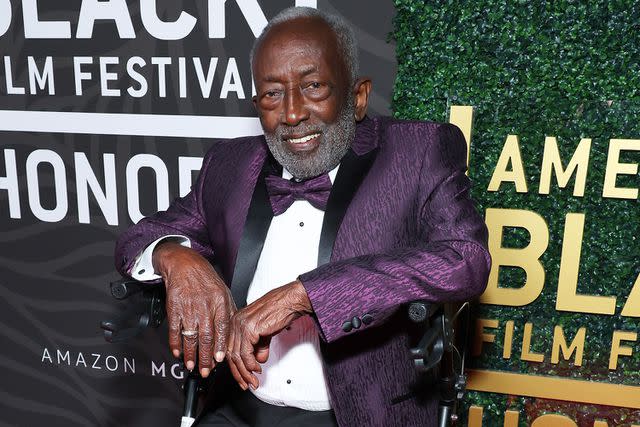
[[293, 375]]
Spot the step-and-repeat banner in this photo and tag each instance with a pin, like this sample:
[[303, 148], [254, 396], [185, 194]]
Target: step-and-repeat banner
[[106, 110], [107, 107], [547, 93]]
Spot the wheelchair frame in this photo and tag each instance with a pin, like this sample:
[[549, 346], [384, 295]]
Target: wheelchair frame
[[441, 350]]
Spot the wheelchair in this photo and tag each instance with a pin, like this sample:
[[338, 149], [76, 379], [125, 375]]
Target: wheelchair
[[439, 355]]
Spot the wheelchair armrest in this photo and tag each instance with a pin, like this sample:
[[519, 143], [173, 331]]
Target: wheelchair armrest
[[125, 287], [145, 309], [419, 311], [428, 353], [441, 351]]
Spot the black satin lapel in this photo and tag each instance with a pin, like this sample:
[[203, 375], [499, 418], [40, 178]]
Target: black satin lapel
[[253, 235], [353, 169]]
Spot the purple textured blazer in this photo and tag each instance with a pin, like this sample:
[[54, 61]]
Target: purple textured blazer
[[399, 226]]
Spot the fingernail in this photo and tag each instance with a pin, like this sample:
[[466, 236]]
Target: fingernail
[[243, 386], [252, 386], [219, 356], [176, 353], [190, 365], [204, 372]]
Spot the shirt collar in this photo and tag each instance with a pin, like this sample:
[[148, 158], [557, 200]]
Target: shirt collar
[[332, 173]]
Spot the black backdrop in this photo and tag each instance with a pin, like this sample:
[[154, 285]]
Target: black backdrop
[[82, 156]]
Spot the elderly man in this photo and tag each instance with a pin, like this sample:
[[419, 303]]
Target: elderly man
[[320, 232]]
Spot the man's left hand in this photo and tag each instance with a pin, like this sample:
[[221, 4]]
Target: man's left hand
[[253, 326]]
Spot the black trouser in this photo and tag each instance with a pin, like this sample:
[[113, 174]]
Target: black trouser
[[243, 409]]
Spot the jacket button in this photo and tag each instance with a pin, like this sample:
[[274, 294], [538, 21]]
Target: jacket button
[[356, 322], [347, 326], [367, 319]]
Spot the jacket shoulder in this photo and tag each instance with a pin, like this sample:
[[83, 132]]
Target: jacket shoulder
[[392, 124], [416, 133], [234, 151]]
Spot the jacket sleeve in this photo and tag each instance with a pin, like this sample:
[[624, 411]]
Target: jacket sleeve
[[450, 263], [183, 217]]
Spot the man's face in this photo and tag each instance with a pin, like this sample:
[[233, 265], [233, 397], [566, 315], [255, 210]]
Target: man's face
[[304, 97]]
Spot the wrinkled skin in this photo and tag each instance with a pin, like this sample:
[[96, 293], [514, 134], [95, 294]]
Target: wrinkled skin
[[302, 86], [197, 299], [253, 326]]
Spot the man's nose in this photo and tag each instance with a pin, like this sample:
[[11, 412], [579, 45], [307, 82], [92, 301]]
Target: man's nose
[[295, 110]]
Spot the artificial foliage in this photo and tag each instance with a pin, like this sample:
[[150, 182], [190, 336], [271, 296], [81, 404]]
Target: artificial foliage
[[567, 69]]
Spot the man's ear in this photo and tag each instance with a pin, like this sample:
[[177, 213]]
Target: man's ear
[[361, 90], [255, 101]]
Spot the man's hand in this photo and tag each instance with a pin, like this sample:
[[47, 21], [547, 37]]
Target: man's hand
[[197, 300], [253, 326]]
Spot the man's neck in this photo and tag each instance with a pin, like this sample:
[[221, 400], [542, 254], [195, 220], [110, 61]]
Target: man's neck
[[332, 174]]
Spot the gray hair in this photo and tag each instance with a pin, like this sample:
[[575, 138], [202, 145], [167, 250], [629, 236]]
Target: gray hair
[[347, 44]]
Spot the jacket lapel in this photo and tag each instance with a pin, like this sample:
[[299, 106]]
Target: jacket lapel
[[254, 234], [353, 168]]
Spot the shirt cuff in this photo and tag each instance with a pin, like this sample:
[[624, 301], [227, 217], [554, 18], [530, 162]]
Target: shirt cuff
[[143, 266]]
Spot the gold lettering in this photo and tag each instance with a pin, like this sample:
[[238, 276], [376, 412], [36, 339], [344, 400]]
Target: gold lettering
[[508, 340], [615, 168], [553, 420], [511, 418], [462, 116], [617, 349], [560, 343], [481, 337], [579, 164], [475, 416], [632, 306], [526, 353], [510, 154], [527, 258], [568, 298]]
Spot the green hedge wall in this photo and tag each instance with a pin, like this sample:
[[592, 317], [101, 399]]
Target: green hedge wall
[[568, 69]]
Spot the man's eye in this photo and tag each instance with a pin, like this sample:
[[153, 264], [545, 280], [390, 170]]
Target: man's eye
[[271, 94], [316, 91]]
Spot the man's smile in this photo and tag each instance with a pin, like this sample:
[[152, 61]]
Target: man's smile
[[303, 143], [303, 138]]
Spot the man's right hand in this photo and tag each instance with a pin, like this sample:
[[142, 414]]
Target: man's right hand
[[197, 300]]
